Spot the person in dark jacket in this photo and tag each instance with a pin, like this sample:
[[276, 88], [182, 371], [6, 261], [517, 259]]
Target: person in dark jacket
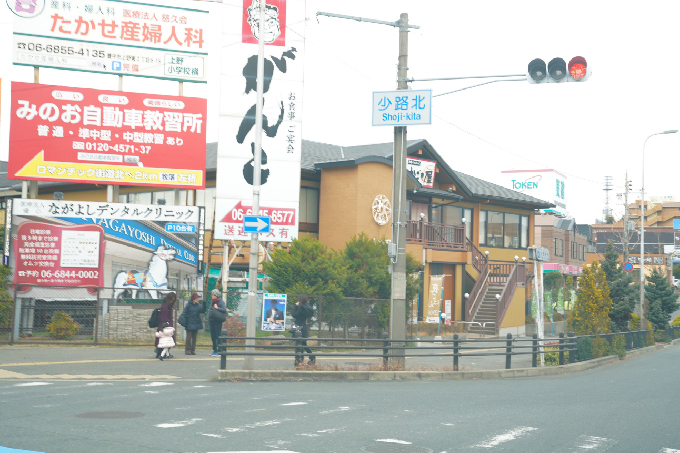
[[216, 325], [166, 315], [192, 322], [301, 313]]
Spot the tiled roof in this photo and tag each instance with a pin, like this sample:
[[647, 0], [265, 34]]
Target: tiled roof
[[486, 189]]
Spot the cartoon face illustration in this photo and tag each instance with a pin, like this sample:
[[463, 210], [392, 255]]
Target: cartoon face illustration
[[272, 26]]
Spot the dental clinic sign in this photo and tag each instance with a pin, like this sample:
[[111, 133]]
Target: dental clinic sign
[[402, 108], [547, 185]]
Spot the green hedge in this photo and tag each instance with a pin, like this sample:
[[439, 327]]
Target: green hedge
[[584, 349]]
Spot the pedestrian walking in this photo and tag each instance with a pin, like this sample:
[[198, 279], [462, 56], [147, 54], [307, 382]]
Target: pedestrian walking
[[166, 316], [166, 340], [217, 316], [192, 322], [301, 313]]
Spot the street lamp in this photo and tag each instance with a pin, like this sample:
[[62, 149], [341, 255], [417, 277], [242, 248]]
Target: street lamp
[[642, 233]]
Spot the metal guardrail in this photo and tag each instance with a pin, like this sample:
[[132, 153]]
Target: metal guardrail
[[455, 348]]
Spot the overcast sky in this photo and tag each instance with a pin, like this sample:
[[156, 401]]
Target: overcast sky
[[583, 130]]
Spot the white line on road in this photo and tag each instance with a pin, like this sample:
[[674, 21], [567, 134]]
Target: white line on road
[[299, 403], [593, 444], [394, 441], [668, 450], [507, 436], [156, 384], [179, 424], [32, 384]]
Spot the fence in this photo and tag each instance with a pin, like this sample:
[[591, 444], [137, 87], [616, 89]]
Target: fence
[[67, 315], [566, 349]]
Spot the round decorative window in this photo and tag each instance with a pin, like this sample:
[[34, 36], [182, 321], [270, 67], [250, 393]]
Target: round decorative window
[[382, 209]]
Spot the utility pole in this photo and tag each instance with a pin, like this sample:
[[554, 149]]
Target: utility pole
[[399, 203], [249, 362], [607, 188], [625, 221]]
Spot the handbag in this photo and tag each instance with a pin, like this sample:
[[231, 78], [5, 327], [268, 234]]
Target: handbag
[[216, 315], [183, 319]]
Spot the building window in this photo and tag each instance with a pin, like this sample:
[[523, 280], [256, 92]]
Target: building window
[[453, 215], [573, 250], [559, 247], [437, 269], [309, 205], [499, 229]]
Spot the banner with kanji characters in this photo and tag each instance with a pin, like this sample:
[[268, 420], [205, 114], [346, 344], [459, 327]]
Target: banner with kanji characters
[[281, 119], [434, 303], [423, 170], [143, 39], [48, 254], [112, 137], [141, 248]]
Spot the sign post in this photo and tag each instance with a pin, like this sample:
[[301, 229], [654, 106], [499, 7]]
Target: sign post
[[539, 255]]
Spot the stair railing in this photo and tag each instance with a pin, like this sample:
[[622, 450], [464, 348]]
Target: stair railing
[[477, 294], [515, 279]]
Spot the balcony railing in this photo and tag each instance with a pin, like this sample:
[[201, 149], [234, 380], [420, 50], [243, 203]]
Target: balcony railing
[[436, 235]]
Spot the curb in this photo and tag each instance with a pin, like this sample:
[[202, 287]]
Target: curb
[[295, 375]]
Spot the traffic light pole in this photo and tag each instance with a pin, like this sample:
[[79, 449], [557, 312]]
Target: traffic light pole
[[249, 362]]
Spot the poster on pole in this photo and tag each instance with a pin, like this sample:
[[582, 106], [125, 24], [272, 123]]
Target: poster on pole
[[274, 312], [84, 135], [434, 304], [282, 116], [127, 38]]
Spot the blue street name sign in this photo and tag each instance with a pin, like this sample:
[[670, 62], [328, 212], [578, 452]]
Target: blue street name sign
[[402, 107], [179, 228], [257, 224], [676, 224]]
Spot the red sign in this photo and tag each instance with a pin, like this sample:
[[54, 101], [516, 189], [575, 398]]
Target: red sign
[[112, 137], [279, 216], [53, 255], [274, 25]]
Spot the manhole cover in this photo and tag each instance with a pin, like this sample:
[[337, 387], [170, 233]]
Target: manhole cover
[[110, 415], [395, 448]]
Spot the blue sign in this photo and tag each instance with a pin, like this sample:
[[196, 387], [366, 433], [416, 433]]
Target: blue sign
[[676, 224], [257, 224], [628, 267], [180, 228], [116, 66], [138, 233], [402, 108]]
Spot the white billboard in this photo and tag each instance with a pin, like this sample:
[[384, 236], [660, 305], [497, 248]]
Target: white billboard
[[142, 39], [547, 185], [282, 119]]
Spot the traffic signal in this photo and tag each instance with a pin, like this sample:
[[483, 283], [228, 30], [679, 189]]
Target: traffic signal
[[558, 71]]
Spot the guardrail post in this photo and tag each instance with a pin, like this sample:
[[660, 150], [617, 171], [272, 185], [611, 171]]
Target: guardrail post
[[222, 349], [560, 354], [456, 350], [385, 348], [298, 347], [572, 345], [508, 352], [534, 350]]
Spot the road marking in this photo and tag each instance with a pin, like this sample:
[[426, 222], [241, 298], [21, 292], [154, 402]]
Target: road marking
[[156, 384], [340, 409], [179, 424], [294, 404], [256, 425], [593, 444], [513, 434], [32, 384], [394, 441], [668, 450]]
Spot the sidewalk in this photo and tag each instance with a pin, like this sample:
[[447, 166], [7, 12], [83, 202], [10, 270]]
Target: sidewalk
[[90, 362]]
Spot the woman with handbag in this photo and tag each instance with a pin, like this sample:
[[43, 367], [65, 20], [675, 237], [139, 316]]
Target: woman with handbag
[[166, 316], [218, 314], [192, 322]]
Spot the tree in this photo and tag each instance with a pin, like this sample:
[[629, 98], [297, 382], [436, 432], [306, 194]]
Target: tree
[[609, 219], [5, 297], [568, 288], [622, 291], [662, 299], [553, 280], [367, 264], [591, 310]]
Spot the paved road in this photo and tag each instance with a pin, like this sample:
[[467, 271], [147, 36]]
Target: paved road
[[628, 406]]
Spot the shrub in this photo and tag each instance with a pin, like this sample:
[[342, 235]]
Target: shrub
[[660, 336], [638, 340], [557, 316], [62, 326], [551, 356], [235, 327], [619, 345], [649, 341], [584, 348], [676, 321], [635, 322], [600, 347], [530, 320]]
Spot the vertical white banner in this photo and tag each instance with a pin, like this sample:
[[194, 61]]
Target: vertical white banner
[[282, 118]]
